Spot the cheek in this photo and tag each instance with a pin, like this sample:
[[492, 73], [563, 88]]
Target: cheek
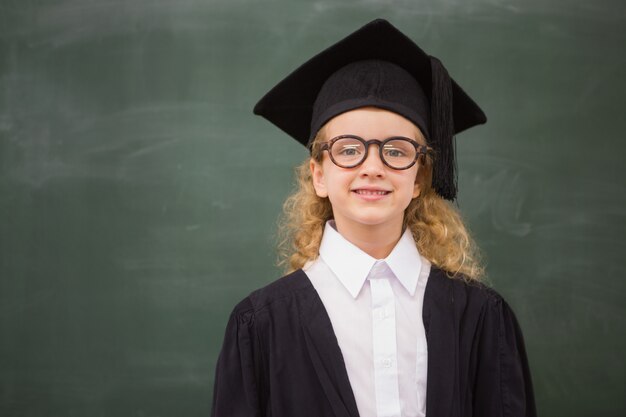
[[337, 178], [337, 185], [408, 188], [407, 182]]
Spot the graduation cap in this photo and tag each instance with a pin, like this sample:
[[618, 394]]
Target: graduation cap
[[377, 65]]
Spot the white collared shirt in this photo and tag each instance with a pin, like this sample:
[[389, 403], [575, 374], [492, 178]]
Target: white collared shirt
[[388, 377]]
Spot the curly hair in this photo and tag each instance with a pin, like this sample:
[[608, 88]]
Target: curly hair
[[437, 226]]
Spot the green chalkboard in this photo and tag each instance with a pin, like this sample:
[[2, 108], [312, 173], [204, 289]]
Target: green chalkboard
[[139, 195]]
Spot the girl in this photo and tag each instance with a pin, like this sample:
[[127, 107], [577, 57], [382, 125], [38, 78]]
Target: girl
[[382, 312]]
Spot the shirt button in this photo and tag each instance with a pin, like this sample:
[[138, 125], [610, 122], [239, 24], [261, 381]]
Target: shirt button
[[387, 363], [381, 313]]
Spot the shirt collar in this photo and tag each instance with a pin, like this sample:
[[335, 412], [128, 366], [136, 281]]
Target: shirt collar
[[352, 266]]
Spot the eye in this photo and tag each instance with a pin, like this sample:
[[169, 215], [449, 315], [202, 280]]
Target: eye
[[394, 152], [349, 150]]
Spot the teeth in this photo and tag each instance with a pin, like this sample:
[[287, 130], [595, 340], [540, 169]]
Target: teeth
[[368, 192]]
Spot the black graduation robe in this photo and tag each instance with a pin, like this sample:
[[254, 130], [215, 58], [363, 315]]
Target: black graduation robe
[[280, 355]]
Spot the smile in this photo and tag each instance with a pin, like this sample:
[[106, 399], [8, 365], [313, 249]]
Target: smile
[[372, 192]]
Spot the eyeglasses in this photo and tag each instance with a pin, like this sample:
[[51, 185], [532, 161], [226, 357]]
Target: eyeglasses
[[397, 152]]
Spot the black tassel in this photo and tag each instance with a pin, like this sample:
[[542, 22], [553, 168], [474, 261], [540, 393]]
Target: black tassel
[[442, 132]]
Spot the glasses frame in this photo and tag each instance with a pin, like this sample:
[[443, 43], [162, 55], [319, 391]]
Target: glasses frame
[[419, 149]]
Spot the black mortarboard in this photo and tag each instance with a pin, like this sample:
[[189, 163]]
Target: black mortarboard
[[377, 65]]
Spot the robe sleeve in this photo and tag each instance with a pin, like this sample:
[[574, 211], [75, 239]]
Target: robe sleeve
[[236, 387], [503, 386]]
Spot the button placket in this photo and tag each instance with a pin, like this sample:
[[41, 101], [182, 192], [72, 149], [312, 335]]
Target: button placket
[[384, 345]]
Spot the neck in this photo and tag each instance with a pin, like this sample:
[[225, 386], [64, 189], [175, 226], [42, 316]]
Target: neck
[[377, 241]]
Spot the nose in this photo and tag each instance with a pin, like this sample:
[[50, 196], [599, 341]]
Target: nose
[[373, 165]]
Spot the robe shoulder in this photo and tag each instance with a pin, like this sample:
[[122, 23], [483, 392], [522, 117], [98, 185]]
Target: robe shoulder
[[280, 356], [502, 363], [471, 296], [469, 324], [280, 289], [241, 385]]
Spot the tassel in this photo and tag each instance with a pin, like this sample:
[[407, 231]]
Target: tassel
[[442, 132]]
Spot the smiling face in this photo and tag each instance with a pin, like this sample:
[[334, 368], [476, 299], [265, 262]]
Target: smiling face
[[370, 196]]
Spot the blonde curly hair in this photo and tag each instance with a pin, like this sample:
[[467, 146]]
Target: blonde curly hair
[[437, 227]]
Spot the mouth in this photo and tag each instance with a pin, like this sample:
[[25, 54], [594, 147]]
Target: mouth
[[371, 192]]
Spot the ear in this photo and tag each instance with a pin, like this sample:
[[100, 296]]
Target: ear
[[417, 189], [317, 174]]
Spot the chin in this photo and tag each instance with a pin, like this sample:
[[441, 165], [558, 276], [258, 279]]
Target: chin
[[373, 220]]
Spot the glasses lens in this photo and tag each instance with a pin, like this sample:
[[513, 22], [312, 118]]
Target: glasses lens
[[348, 151], [399, 153]]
